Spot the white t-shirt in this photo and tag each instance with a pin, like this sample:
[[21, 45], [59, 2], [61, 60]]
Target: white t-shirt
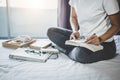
[[93, 15]]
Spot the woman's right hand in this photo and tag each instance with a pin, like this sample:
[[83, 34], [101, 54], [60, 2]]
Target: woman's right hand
[[75, 35]]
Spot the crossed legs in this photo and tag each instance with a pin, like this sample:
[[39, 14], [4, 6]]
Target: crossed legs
[[79, 54]]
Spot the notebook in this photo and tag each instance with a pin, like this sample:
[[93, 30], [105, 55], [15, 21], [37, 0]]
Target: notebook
[[29, 55], [82, 43]]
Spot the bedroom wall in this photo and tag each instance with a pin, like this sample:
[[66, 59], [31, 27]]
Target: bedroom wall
[[27, 20], [32, 22]]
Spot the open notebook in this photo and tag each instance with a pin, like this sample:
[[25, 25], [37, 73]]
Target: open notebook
[[82, 43]]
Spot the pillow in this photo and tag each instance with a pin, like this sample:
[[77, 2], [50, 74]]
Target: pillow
[[117, 42]]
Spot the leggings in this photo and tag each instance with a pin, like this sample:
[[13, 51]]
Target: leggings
[[80, 54]]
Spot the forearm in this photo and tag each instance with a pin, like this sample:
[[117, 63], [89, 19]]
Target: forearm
[[73, 20], [115, 22], [112, 31], [115, 27], [74, 24]]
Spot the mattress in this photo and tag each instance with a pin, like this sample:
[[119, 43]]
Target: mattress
[[59, 69]]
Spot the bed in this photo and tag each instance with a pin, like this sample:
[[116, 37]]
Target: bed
[[60, 69]]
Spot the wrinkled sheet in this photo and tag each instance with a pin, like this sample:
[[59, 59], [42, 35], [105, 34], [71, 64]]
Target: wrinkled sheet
[[60, 69]]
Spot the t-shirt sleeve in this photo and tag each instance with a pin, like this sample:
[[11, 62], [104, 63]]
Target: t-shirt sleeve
[[111, 6], [72, 3]]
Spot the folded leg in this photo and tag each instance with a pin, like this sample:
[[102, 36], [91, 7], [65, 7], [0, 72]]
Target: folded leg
[[59, 36]]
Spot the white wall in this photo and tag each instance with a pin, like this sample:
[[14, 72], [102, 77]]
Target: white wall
[[32, 22], [26, 20]]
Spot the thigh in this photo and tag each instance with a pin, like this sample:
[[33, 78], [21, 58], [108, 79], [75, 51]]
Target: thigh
[[59, 36], [61, 31], [109, 50]]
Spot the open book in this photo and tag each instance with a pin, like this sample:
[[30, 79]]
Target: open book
[[31, 55], [83, 44]]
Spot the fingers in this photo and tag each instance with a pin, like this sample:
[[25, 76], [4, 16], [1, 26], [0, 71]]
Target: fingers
[[75, 35], [72, 37], [93, 40], [90, 38]]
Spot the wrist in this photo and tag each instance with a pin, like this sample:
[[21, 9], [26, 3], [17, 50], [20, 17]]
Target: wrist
[[100, 39], [75, 30]]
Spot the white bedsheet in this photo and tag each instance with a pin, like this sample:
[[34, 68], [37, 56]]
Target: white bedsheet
[[60, 69]]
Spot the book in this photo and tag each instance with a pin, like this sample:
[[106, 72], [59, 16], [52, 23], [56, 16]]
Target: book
[[40, 43], [82, 43], [29, 55]]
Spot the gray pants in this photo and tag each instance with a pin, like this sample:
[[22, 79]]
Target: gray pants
[[80, 54]]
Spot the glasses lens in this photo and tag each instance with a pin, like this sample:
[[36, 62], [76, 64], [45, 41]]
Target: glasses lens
[[54, 56]]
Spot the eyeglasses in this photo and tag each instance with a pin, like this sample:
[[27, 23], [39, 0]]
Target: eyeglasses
[[36, 52]]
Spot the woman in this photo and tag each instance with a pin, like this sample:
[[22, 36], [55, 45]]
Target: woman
[[101, 17]]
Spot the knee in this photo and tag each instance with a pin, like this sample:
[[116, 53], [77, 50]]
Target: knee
[[75, 54], [79, 54], [50, 31]]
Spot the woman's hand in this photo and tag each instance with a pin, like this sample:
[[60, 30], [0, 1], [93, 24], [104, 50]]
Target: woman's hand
[[93, 40], [75, 35]]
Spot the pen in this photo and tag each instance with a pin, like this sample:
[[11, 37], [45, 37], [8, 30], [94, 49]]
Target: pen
[[89, 38]]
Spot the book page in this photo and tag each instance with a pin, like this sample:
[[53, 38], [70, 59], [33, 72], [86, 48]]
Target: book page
[[82, 43], [77, 41]]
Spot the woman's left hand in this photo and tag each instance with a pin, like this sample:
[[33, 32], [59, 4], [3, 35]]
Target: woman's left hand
[[94, 39]]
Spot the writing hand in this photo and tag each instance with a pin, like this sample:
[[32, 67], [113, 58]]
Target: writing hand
[[93, 40]]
